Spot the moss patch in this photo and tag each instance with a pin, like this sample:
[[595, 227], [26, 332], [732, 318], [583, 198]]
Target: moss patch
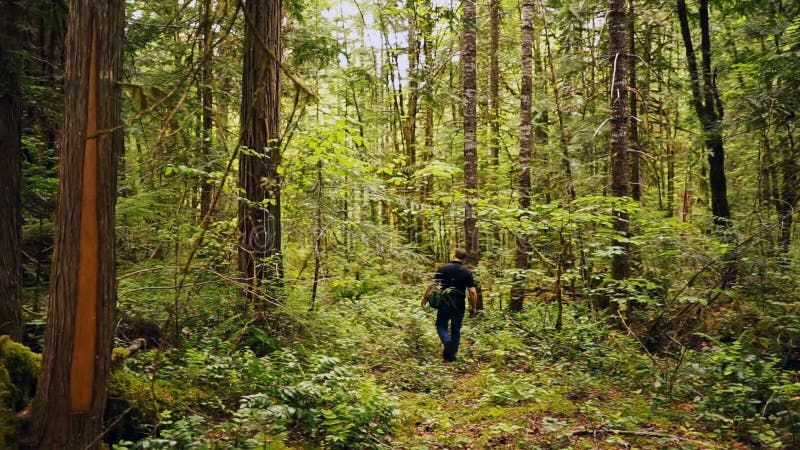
[[19, 371]]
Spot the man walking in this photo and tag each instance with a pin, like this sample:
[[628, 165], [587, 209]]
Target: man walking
[[450, 314]]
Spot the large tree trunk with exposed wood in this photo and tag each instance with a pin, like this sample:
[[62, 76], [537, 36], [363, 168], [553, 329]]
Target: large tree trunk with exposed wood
[[524, 170], [259, 213], [71, 394], [10, 173], [620, 263]]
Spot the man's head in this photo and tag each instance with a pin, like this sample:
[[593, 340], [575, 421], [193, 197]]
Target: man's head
[[461, 254]]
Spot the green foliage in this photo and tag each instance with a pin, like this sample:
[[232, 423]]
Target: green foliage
[[742, 394], [265, 401], [500, 393]]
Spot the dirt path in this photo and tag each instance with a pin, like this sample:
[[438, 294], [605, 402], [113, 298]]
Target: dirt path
[[478, 407]]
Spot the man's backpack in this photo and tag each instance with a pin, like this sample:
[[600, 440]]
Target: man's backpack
[[438, 297]]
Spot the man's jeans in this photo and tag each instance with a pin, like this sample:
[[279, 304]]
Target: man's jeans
[[450, 339]]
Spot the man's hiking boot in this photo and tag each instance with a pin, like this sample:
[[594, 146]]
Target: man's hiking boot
[[447, 353]]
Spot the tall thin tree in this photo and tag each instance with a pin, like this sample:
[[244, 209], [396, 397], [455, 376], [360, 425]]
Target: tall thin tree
[[72, 390], [635, 143], [470, 90], [620, 263], [409, 128], [494, 80], [207, 100], [707, 104], [410, 121], [259, 213], [525, 141]]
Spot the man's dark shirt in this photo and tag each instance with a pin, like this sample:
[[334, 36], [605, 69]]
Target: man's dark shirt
[[455, 275]]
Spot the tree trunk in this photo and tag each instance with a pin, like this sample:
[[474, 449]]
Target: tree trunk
[[541, 137], [259, 212], [413, 220], [708, 106], [494, 81], [410, 123], [10, 173], [670, 180], [635, 145], [524, 170], [71, 394], [317, 237], [206, 94], [620, 263], [790, 175], [468, 69]]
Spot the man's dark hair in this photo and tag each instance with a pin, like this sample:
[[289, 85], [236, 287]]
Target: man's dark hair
[[461, 253]]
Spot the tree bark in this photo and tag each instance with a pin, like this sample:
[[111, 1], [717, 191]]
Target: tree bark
[[10, 172], [206, 94], [72, 390], [708, 106], [469, 85], [635, 144], [790, 175], [494, 81], [524, 170], [410, 123], [620, 263], [259, 212], [413, 220]]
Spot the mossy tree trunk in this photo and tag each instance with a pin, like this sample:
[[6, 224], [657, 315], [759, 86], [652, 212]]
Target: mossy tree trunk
[[71, 395]]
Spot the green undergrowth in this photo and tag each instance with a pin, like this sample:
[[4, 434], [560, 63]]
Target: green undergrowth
[[523, 384], [365, 372], [226, 397]]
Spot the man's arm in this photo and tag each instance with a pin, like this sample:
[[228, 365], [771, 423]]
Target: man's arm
[[473, 301]]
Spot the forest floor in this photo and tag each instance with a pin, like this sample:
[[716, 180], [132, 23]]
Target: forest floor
[[522, 403]]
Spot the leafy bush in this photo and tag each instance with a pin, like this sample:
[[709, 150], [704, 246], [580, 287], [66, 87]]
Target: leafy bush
[[744, 395]]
